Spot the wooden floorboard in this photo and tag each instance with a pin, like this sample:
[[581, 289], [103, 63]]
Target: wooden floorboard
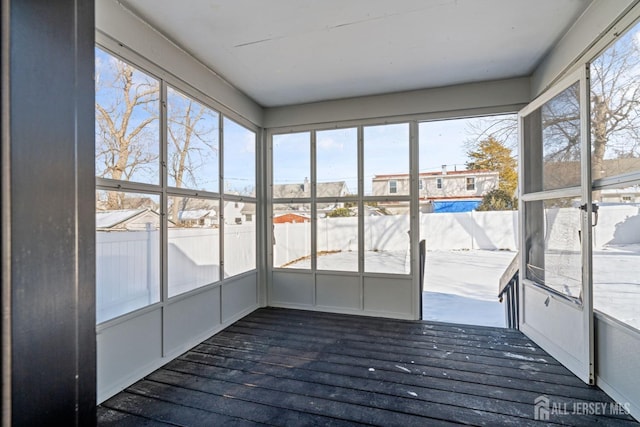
[[291, 367]]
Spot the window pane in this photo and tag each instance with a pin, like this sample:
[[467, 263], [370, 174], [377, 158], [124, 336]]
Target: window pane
[[337, 238], [192, 138], [239, 237], [193, 243], [291, 165], [127, 252], [386, 157], [616, 270], [292, 235], [561, 140], [553, 245], [615, 108], [127, 129], [239, 159], [337, 162], [386, 238]]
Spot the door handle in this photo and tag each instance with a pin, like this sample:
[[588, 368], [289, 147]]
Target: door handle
[[594, 210]]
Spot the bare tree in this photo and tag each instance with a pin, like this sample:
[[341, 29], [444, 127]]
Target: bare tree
[[615, 113], [615, 102], [126, 105], [192, 132]]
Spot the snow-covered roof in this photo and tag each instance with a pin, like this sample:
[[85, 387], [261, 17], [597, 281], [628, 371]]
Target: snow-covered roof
[[111, 218], [195, 214], [323, 189]]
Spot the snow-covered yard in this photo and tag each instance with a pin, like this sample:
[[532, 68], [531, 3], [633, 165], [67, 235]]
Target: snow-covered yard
[[462, 286]]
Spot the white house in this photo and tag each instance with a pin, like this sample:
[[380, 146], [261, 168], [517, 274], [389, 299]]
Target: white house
[[443, 191]]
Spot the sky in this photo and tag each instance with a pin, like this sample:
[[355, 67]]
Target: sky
[[386, 151], [386, 147]]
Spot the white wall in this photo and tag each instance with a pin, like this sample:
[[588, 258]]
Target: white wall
[[501, 96]]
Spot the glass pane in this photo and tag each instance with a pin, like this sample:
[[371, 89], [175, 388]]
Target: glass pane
[[193, 243], [192, 138], [561, 140], [239, 237], [615, 108], [616, 261], [386, 160], [291, 165], [337, 162], [127, 252], [465, 162], [386, 238], [553, 248], [292, 235], [337, 238], [127, 129], [239, 159]]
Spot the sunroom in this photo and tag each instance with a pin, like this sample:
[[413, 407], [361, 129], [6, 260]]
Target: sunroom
[[223, 176]]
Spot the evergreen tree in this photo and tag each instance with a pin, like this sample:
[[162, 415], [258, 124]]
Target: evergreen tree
[[491, 154]]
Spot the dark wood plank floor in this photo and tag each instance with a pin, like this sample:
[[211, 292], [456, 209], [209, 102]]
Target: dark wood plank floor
[[294, 368]]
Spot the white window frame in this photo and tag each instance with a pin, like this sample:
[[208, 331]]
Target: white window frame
[[471, 179]]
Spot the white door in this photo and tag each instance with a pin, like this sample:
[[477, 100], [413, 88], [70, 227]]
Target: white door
[[555, 224]]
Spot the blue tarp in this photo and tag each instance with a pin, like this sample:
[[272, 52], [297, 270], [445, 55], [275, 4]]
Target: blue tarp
[[455, 206]]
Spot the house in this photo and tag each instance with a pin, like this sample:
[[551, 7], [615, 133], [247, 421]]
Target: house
[[291, 218], [442, 191], [198, 218], [127, 219], [303, 190], [377, 68]]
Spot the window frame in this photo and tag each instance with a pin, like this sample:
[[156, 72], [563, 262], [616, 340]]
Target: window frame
[[162, 188]]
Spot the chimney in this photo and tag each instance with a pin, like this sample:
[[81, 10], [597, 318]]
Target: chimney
[[305, 186], [444, 169]]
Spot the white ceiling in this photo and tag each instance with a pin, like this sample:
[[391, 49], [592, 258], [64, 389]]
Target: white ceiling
[[282, 52]]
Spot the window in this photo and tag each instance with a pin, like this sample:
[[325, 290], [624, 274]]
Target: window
[[439, 183], [615, 107], [147, 215], [420, 184], [386, 153], [393, 186], [337, 217], [127, 129], [471, 184], [386, 224], [127, 252], [193, 253], [192, 144], [239, 159]]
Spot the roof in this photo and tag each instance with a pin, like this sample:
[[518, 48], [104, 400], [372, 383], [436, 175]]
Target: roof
[[473, 172], [111, 218], [194, 214], [296, 191]]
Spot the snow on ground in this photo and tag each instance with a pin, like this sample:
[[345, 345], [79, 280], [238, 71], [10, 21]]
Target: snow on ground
[[461, 286]]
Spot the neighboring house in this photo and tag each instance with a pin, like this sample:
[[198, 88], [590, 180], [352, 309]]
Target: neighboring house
[[444, 191], [300, 191], [567, 174], [198, 218], [620, 195], [291, 217], [233, 212], [248, 212], [127, 220]]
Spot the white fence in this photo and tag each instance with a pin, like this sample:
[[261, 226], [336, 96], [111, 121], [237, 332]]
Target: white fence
[[128, 264]]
